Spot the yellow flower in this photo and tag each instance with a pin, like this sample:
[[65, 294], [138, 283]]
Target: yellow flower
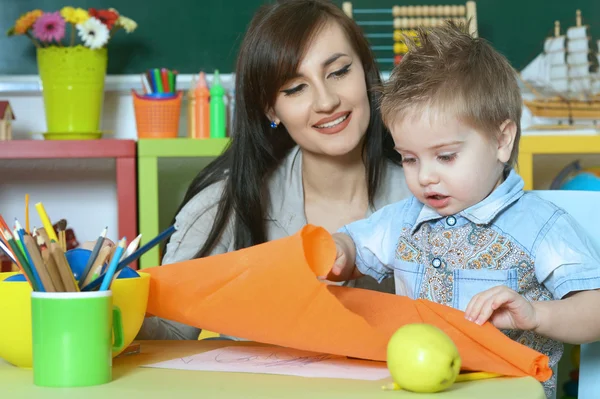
[[26, 21], [127, 23], [67, 13], [74, 15]]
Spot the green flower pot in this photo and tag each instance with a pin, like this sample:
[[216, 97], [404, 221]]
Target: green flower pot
[[73, 88]]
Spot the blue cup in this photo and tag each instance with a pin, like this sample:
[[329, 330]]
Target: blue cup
[[77, 259], [159, 95]]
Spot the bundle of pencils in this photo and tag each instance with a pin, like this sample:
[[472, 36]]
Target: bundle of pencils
[[41, 259], [40, 255], [122, 258]]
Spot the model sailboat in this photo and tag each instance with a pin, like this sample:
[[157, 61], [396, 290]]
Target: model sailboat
[[565, 80]]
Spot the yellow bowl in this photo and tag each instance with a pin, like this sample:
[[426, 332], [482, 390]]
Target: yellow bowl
[[129, 294]]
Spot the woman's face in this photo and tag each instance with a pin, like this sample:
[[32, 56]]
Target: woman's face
[[325, 108]]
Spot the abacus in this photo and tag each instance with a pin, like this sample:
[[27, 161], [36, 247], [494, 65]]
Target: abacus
[[404, 20]]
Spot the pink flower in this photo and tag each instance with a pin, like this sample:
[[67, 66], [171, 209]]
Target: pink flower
[[50, 26]]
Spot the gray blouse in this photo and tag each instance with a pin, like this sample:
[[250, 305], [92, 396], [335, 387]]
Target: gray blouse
[[286, 217]]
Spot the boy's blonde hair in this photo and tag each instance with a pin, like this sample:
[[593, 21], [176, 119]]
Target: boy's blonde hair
[[448, 69]]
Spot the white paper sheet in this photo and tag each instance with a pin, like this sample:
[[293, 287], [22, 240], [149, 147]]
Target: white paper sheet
[[276, 360]]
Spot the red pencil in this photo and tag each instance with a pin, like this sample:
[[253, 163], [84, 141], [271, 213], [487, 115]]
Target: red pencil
[[165, 80], [3, 226]]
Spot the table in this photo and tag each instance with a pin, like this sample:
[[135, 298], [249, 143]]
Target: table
[[122, 151], [149, 152], [132, 381]]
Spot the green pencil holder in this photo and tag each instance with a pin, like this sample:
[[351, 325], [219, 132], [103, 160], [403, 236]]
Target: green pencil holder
[[73, 338], [72, 81]]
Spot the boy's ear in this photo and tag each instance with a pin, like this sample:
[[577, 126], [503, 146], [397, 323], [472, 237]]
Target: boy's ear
[[506, 140]]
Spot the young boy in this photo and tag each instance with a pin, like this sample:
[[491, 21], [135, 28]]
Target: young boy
[[470, 237]]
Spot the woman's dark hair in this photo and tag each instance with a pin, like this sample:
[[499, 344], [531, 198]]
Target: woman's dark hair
[[269, 56]]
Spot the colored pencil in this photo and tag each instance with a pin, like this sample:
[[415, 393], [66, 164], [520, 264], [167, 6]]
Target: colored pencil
[[66, 275], [96, 269], [27, 213], [112, 267], [131, 248], [7, 251], [133, 257], [51, 266], [32, 266], [46, 221], [93, 256], [21, 262], [38, 263]]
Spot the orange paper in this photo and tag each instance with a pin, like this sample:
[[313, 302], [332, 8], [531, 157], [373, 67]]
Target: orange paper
[[270, 293]]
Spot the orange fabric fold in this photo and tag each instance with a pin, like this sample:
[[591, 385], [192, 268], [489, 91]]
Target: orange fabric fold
[[269, 293]]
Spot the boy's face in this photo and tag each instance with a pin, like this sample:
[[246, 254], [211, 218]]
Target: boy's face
[[449, 166]]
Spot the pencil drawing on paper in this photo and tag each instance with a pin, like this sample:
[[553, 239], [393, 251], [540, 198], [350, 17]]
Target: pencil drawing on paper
[[278, 360]]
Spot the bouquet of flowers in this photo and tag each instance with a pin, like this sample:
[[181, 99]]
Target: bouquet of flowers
[[94, 27]]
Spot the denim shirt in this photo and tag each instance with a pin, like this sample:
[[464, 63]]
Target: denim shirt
[[510, 238]]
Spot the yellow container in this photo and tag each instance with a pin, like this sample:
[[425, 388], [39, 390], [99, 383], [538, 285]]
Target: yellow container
[[72, 81], [129, 294]]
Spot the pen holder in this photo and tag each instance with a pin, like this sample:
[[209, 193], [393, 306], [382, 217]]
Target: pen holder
[[157, 117], [73, 337], [129, 294]]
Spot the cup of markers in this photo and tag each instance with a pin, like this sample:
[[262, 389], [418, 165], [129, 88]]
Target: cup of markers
[[158, 108]]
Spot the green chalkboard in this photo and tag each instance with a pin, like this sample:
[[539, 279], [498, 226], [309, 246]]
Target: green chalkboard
[[185, 35], [190, 35]]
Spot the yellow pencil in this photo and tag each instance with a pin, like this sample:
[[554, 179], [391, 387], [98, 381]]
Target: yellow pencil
[[46, 221], [27, 213], [482, 375]]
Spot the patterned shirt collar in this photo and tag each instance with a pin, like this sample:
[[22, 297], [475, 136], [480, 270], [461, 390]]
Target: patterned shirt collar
[[485, 211]]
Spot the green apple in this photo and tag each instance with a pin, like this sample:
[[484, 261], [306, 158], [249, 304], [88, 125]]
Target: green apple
[[422, 358]]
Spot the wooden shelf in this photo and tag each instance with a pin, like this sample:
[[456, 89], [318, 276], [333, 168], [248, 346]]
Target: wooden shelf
[[538, 145], [122, 151], [149, 152], [178, 148], [560, 144], [55, 149]]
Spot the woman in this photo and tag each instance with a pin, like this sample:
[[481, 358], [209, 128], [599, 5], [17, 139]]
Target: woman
[[308, 145]]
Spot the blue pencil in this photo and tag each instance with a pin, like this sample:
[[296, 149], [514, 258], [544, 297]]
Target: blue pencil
[[133, 257], [36, 276], [110, 272]]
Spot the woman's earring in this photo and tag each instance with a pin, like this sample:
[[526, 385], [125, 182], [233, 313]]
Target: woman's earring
[[274, 125]]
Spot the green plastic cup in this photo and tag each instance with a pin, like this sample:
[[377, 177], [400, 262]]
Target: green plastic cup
[[72, 336]]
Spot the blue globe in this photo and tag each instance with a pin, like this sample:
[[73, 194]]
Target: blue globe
[[582, 181]]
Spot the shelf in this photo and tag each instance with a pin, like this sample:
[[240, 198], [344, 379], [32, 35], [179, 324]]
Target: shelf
[[66, 149], [177, 148], [122, 151], [560, 144], [149, 153], [17, 84], [538, 145]]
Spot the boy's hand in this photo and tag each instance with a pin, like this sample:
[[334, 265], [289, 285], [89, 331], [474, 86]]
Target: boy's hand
[[343, 268], [504, 308]]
